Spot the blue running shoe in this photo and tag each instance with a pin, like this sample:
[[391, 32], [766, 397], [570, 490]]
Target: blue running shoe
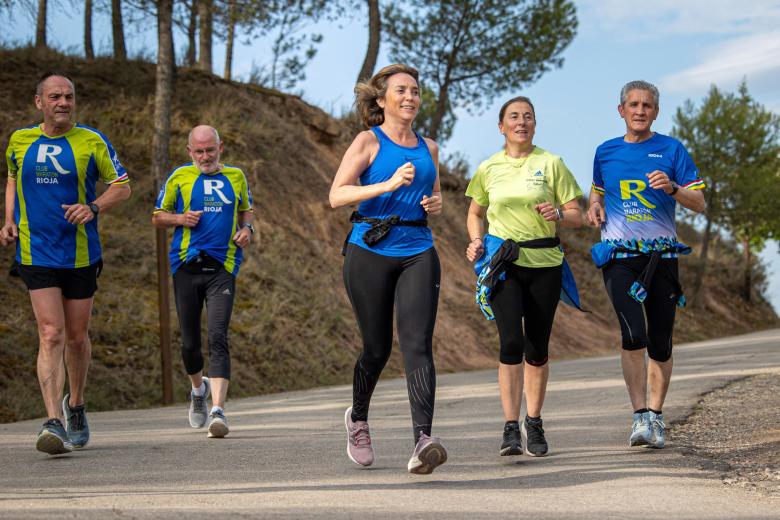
[[53, 439], [199, 406], [640, 430], [657, 430], [75, 423], [218, 426]]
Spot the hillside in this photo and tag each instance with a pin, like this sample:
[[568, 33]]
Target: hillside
[[292, 326]]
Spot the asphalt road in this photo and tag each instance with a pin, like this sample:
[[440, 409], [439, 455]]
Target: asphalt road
[[285, 455]]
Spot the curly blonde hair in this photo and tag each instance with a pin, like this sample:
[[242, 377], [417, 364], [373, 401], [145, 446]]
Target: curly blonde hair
[[369, 91]]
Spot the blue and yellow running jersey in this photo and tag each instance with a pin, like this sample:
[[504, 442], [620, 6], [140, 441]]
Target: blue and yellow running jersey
[[220, 196], [52, 171], [639, 216]]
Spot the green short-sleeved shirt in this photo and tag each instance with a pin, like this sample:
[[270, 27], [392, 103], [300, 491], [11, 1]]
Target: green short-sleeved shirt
[[511, 188]]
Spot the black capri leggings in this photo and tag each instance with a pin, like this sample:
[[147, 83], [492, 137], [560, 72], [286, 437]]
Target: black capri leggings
[[651, 327], [217, 289], [375, 285], [524, 306]]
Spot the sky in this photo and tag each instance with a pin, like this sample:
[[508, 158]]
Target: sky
[[683, 47]]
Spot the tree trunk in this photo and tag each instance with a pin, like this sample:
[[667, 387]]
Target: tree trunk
[[118, 31], [160, 148], [40, 26], [748, 270], [374, 38], [231, 33], [89, 52], [698, 281], [206, 16], [191, 30], [441, 110]]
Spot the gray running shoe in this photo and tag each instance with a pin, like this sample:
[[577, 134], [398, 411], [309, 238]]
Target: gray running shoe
[[533, 437], [75, 423], [53, 439], [428, 455], [199, 406], [359, 449], [640, 430], [657, 430], [218, 426], [512, 444]]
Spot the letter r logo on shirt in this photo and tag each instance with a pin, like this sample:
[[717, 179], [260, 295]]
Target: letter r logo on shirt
[[634, 187], [210, 186], [51, 151]]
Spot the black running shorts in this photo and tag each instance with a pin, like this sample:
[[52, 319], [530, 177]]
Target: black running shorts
[[76, 284]]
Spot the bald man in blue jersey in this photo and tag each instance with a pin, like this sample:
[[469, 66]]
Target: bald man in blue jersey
[[51, 212], [209, 205]]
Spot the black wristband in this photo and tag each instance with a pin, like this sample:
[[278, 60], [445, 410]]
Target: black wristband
[[675, 189], [95, 208]]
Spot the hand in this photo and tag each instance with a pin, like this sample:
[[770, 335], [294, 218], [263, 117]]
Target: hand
[[475, 250], [8, 234], [596, 215], [403, 176], [242, 237], [660, 181], [432, 204], [547, 211], [78, 214], [190, 219]]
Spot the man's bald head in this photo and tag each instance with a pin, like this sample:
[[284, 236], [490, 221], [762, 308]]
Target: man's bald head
[[203, 133], [204, 148], [48, 77]]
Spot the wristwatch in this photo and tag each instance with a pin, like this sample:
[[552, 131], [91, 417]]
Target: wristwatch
[[675, 189], [249, 227], [95, 208]]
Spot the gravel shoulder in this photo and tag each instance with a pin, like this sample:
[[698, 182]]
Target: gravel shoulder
[[734, 431]]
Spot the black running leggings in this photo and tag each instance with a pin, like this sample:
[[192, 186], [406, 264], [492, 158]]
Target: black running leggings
[[376, 284], [217, 289], [524, 306], [651, 327]]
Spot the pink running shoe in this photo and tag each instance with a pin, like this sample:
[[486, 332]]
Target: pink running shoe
[[359, 448], [428, 455]]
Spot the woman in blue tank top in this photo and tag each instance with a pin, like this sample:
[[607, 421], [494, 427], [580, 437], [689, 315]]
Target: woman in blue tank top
[[390, 262]]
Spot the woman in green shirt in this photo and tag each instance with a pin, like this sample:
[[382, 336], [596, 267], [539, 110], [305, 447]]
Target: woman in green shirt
[[523, 191]]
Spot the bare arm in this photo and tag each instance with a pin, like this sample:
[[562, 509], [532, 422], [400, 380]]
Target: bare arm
[[345, 189], [433, 204], [569, 216], [691, 199], [595, 216], [81, 214], [475, 223], [9, 231]]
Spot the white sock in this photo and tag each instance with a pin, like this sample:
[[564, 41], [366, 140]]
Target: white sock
[[199, 392], [217, 409]]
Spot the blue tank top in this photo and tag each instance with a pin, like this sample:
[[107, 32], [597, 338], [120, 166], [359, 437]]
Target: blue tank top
[[404, 202]]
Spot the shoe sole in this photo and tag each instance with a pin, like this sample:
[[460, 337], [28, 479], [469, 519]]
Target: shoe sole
[[65, 414], [511, 450], [431, 457], [639, 441], [524, 436], [52, 444], [217, 430], [346, 425]]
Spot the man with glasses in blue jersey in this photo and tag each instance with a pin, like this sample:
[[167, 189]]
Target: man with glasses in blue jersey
[[51, 214], [209, 205]]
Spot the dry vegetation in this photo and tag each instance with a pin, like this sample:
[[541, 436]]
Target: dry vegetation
[[292, 327]]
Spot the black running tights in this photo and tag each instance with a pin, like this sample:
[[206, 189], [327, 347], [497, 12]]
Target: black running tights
[[377, 284]]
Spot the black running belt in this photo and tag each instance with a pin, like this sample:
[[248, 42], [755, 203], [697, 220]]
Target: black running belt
[[380, 227], [647, 274], [508, 252]]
